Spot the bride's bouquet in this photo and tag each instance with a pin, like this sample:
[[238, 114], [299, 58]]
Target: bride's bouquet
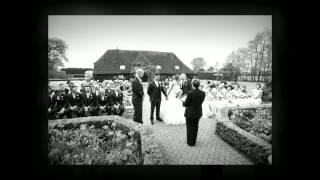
[[179, 93]]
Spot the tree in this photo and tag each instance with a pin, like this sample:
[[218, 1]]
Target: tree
[[211, 68], [56, 53], [230, 72], [256, 59], [198, 63]]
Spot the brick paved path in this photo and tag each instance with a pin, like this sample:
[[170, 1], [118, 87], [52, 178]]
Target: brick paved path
[[209, 148]]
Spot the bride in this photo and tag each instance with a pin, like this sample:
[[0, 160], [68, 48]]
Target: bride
[[172, 111]]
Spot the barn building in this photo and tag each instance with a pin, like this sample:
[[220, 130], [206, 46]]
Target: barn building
[[75, 72], [121, 64], [208, 75]]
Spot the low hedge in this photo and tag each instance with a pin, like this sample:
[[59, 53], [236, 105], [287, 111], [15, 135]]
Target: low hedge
[[147, 151], [254, 147]]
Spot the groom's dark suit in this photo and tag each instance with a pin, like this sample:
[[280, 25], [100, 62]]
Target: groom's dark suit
[[186, 87], [193, 113], [154, 92]]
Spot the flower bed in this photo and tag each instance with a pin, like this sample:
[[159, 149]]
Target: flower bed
[[101, 140], [249, 130]]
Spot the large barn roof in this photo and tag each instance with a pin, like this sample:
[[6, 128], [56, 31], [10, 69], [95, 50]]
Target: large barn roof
[[111, 60]]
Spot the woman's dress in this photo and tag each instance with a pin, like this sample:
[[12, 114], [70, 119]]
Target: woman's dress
[[172, 110]]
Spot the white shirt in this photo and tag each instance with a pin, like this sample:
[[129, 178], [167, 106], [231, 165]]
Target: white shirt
[[102, 97], [156, 82], [139, 78], [88, 94]]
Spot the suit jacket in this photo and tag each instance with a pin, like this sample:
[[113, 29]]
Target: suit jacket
[[117, 99], [186, 87], [59, 101], [107, 100], [77, 101], [91, 101], [137, 90], [193, 104], [154, 92], [50, 102]]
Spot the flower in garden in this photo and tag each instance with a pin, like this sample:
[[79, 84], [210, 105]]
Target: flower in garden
[[131, 133], [105, 127], [92, 127], [83, 127]]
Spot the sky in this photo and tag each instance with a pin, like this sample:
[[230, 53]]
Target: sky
[[211, 37]]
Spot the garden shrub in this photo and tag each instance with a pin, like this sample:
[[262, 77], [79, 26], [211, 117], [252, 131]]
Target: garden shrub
[[248, 130], [101, 140]]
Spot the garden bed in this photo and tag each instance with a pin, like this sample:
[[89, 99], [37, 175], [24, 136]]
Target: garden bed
[[248, 130], [101, 140]]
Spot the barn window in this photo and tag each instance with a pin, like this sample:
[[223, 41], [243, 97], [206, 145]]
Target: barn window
[[122, 67], [158, 67], [177, 67]]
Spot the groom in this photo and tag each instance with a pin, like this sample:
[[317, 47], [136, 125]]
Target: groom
[[193, 113], [154, 91], [185, 85]]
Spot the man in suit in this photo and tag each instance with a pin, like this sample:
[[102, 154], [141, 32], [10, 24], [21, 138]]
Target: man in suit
[[74, 103], [110, 103], [50, 103], [154, 91], [117, 97], [59, 103], [137, 96], [89, 102], [185, 85], [103, 102], [193, 112]]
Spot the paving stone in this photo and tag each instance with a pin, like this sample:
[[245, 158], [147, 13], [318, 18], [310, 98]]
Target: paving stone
[[209, 149]]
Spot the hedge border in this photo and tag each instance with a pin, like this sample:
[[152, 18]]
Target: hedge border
[[150, 148], [254, 147]]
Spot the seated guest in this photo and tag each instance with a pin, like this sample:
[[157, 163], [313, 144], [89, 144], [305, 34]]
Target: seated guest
[[66, 91], [60, 103], [117, 101], [82, 88], [244, 89], [74, 103], [229, 93], [89, 102], [103, 102], [50, 103], [256, 95], [235, 90]]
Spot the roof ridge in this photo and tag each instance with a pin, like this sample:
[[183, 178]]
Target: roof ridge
[[140, 51]]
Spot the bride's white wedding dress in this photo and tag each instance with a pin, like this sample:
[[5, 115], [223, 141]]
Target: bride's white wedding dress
[[172, 110]]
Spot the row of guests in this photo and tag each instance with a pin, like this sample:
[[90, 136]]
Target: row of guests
[[84, 103], [235, 91], [223, 96]]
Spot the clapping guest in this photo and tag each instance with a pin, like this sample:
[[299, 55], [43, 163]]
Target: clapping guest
[[118, 101], [50, 103], [257, 95], [82, 88], [89, 102], [74, 103], [103, 102], [60, 103]]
